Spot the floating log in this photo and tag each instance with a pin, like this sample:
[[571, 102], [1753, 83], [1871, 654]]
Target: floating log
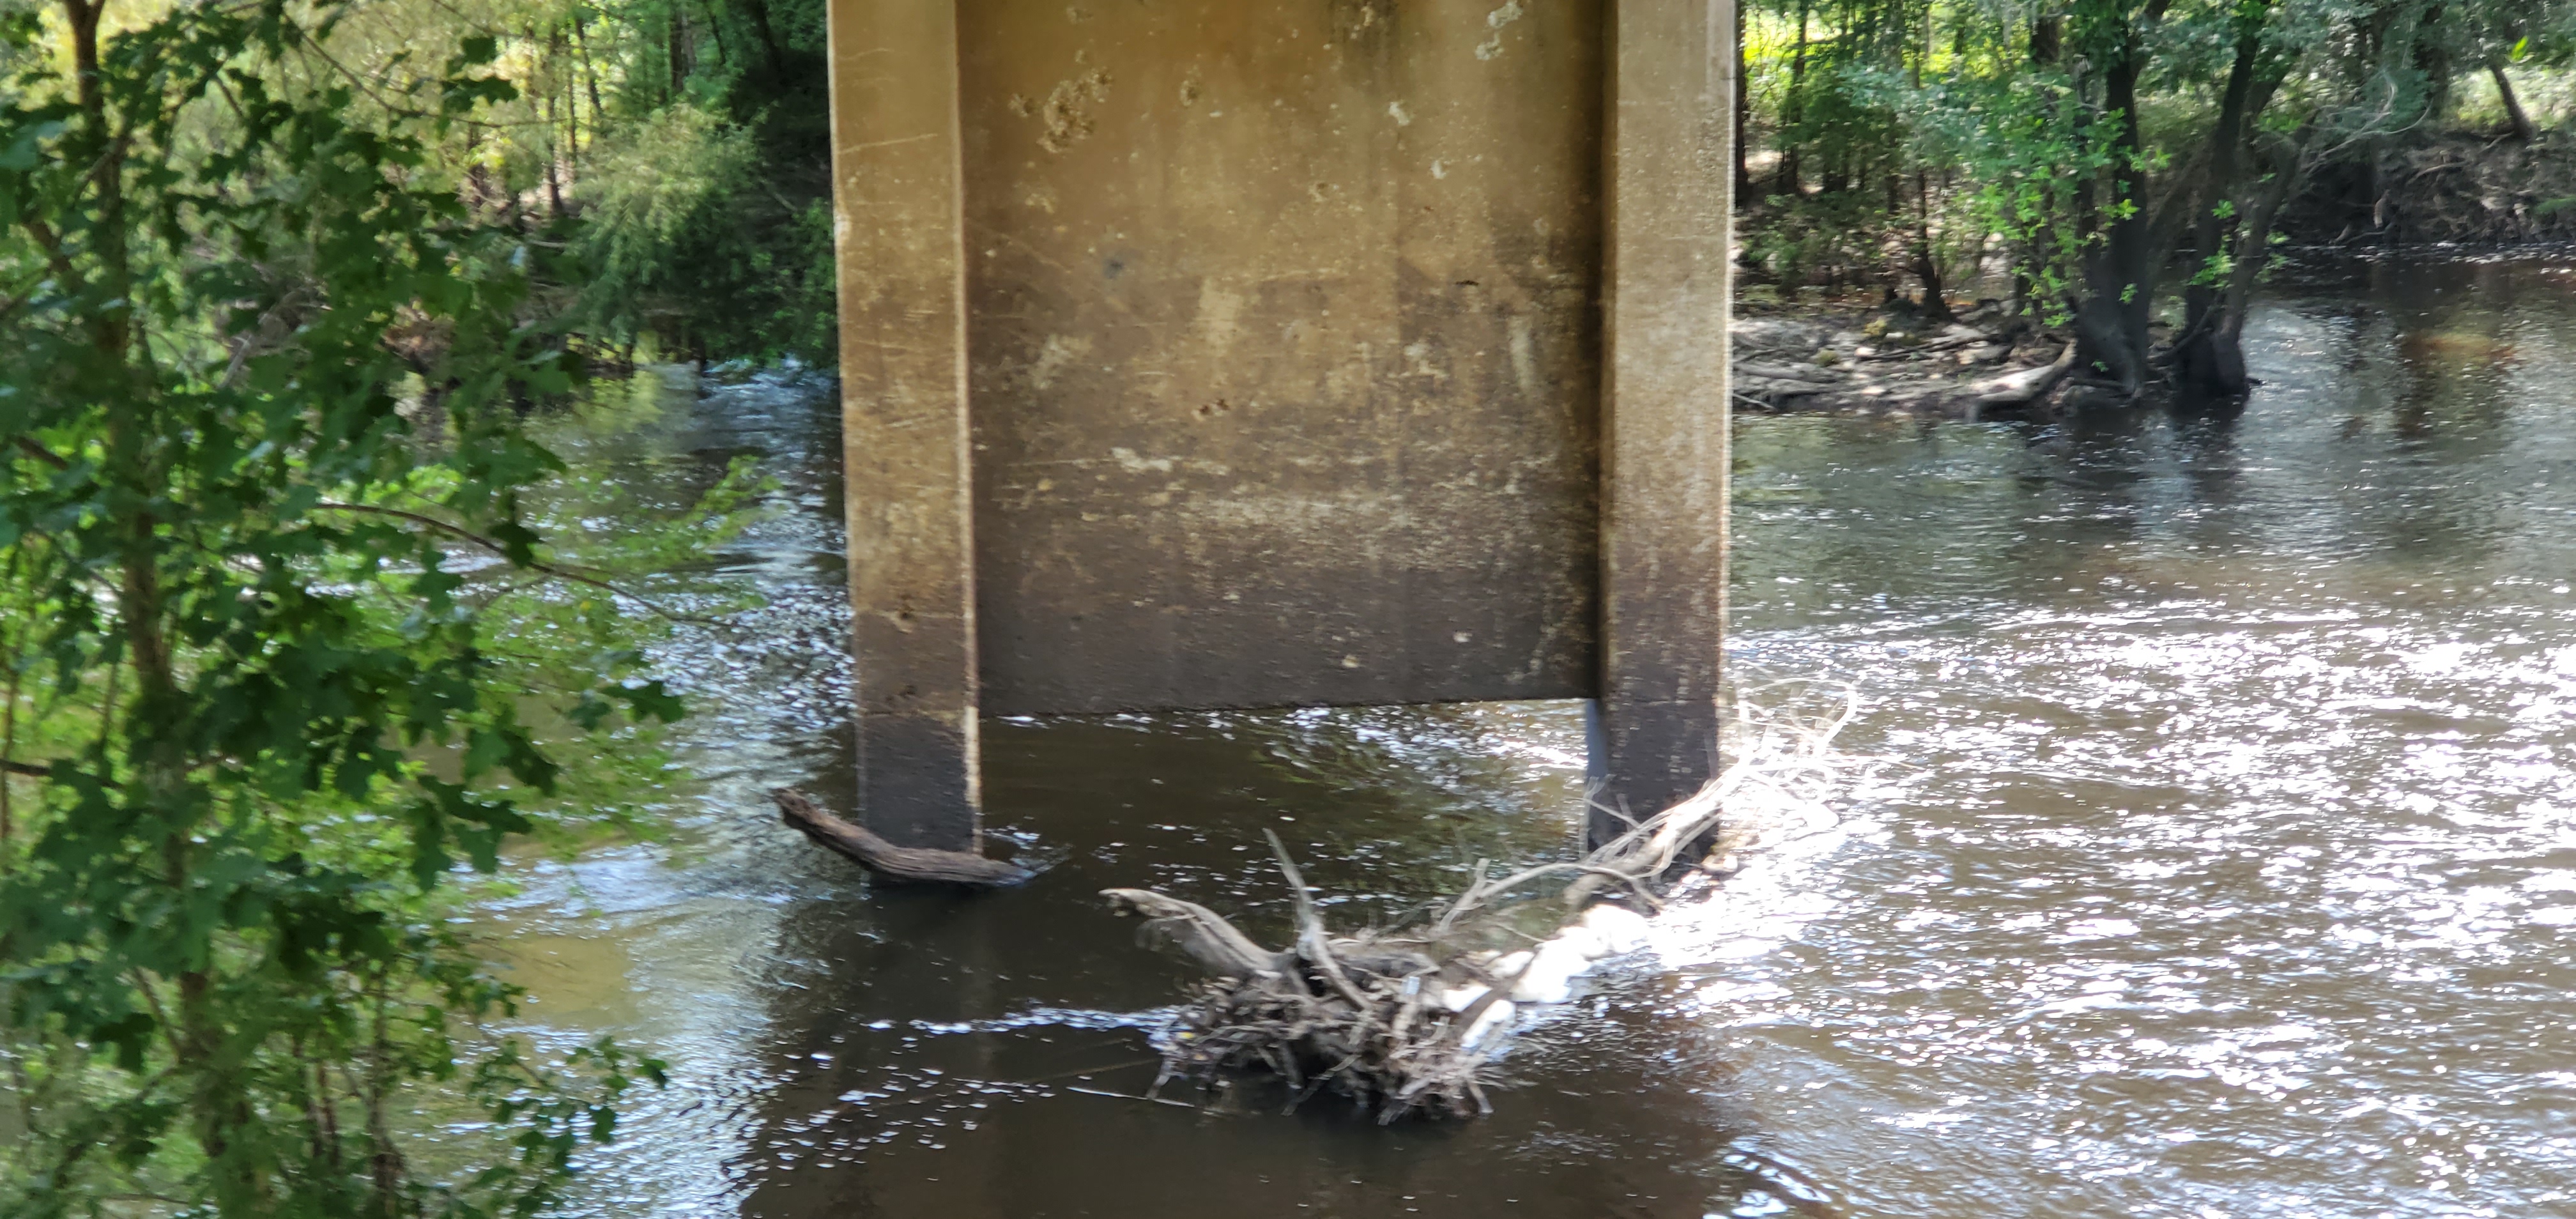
[[913, 865]]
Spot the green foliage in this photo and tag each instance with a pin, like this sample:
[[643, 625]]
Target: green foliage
[[688, 137], [1813, 237], [283, 640], [2054, 126], [686, 245], [692, 137], [2024, 146]]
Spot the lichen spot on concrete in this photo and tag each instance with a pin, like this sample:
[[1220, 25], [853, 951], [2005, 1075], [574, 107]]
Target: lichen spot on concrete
[[1495, 21], [1524, 355], [1220, 316], [1067, 122], [1128, 460], [1396, 111], [1053, 355]]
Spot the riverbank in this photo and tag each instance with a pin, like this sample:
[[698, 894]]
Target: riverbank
[[2447, 189], [1848, 355]]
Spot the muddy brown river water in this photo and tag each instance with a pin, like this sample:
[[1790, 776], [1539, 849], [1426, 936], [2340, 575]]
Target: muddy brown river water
[[2223, 861]]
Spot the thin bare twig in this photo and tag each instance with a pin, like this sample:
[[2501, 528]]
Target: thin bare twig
[[28, 446], [464, 534]]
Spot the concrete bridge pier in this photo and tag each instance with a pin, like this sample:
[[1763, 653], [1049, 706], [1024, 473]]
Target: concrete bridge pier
[[1254, 353]]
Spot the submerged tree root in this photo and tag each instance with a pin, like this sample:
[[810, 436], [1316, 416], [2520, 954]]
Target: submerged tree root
[[1409, 1021]]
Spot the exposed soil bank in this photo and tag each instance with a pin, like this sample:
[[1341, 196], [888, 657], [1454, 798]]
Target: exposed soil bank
[[2455, 187]]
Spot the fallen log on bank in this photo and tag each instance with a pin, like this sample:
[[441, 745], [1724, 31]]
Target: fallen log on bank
[[2028, 385], [1789, 372], [911, 865]]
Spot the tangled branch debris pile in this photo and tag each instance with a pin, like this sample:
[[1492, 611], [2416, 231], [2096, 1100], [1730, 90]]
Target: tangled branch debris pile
[[1410, 1020]]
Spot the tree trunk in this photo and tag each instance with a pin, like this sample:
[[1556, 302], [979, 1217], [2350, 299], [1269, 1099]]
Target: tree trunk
[[715, 30], [2121, 272], [677, 37], [2208, 361], [2046, 35], [1927, 266], [1743, 113], [590, 77], [2513, 112], [759, 11], [554, 153], [2433, 63], [1786, 181], [2254, 236], [916, 865]]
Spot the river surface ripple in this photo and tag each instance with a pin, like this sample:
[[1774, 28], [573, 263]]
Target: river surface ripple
[[2223, 863]]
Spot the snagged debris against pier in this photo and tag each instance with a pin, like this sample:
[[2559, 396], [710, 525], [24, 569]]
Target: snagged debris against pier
[[912, 865], [1410, 1020]]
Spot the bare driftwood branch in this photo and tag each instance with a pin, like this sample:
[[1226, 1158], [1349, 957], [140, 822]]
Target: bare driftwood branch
[[1199, 934], [910, 864]]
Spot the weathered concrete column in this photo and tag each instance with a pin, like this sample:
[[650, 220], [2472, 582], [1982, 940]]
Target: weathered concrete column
[[898, 224], [1666, 284]]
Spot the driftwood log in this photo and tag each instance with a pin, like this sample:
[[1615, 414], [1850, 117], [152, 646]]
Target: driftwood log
[[1200, 934], [2019, 388], [914, 865], [1788, 372]]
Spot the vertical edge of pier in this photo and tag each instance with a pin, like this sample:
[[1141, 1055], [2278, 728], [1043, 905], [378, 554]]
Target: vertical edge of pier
[[898, 236], [1667, 279]]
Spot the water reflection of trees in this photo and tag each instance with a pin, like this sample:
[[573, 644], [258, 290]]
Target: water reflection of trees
[[2405, 420], [2434, 378]]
